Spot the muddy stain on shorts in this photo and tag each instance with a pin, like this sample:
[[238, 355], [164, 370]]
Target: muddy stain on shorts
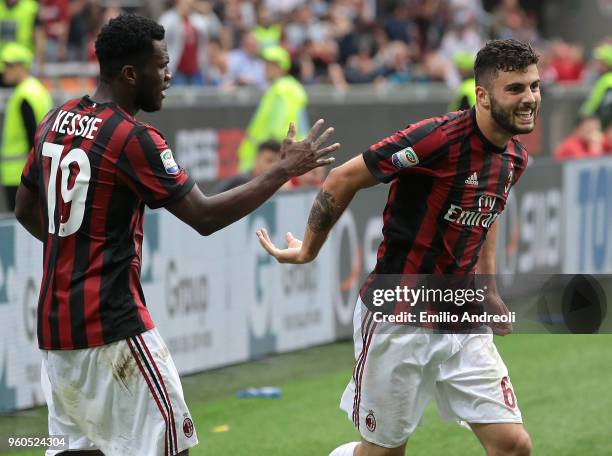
[[124, 367], [70, 397]]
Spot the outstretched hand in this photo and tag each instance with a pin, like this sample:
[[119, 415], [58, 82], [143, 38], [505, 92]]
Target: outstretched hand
[[293, 252], [299, 157]]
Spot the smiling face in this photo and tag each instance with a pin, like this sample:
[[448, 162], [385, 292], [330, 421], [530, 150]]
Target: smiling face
[[153, 79], [514, 99]]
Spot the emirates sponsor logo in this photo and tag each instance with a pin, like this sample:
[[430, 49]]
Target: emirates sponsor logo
[[483, 217], [470, 218]]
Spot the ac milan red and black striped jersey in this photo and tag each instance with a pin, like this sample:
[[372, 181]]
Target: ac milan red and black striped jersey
[[449, 184], [95, 167]]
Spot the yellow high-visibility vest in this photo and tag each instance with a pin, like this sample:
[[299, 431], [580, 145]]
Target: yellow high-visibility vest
[[17, 24], [284, 102], [465, 97], [15, 144]]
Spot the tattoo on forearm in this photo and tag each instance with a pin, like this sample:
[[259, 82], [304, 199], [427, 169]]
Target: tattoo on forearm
[[322, 215]]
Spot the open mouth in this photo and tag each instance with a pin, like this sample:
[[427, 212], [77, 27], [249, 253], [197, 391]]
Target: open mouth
[[525, 114]]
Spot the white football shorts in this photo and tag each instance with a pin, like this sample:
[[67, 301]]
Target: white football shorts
[[124, 398], [399, 369]]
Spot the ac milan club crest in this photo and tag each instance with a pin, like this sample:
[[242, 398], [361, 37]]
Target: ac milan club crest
[[188, 427], [370, 421]]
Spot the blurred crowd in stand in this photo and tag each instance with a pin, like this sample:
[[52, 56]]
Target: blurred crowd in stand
[[223, 44], [339, 42]]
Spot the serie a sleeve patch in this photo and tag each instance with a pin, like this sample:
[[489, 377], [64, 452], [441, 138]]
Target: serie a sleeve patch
[[168, 161]]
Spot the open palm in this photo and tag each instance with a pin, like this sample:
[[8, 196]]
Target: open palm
[[289, 255]]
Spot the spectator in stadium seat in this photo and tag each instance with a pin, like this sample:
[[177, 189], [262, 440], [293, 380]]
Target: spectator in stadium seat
[[186, 35], [472, 7], [235, 23], [282, 6], [316, 63], [309, 180], [500, 15], [109, 381], [398, 67], [25, 108], [83, 19], [352, 35], [361, 68], [213, 24], [462, 36], [153, 8], [519, 25], [217, 63], [303, 26], [607, 143], [268, 153], [343, 32], [566, 62], [586, 141], [398, 26], [244, 66], [429, 17], [54, 16], [267, 31]]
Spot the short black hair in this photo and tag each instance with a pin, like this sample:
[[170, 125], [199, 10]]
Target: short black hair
[[124, 40], [502, 55], [270, 144]]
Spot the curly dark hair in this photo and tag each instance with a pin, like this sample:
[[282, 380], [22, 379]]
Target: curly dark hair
[[126, 39], [502, 55]]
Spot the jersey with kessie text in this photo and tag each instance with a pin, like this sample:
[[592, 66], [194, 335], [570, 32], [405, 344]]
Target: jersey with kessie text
[[95, 167]]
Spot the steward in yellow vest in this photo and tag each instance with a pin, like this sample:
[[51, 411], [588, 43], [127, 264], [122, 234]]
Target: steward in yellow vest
[[599, 102], [465, 97], [17, 23], [25, 108], [283, 102]]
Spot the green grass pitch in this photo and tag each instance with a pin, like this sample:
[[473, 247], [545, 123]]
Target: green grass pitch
[[563, 384]]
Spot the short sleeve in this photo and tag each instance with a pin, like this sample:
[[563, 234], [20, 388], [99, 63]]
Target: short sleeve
[[416, 149], [521, 162], [150, 168], [30, 173]]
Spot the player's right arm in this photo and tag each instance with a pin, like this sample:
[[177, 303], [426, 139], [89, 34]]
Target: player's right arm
[[493, 304], [210, 214], [412, 150], [337, 191]]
